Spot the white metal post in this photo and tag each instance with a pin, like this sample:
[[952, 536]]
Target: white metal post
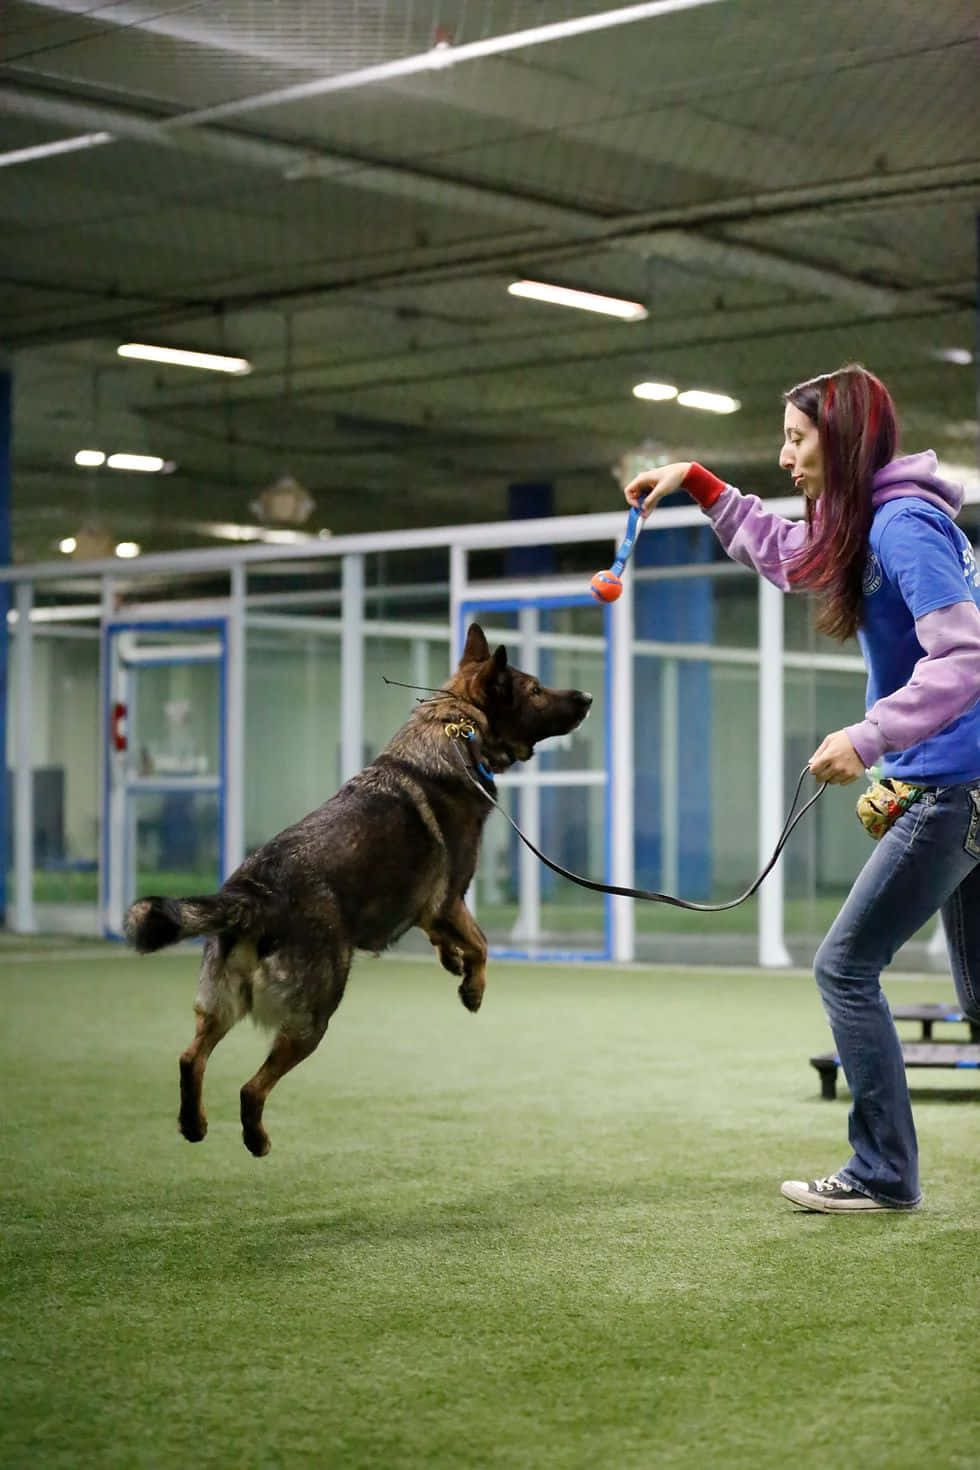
[[116, 839], [234, 752], [669, 776], [620, 815], [936, 949], [420, 663], [458, 572], [23, 824], [772, 948], [352, 666], [527, 926], [107, 594]]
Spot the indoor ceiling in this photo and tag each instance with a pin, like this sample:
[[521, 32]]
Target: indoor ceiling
[[783, 186]]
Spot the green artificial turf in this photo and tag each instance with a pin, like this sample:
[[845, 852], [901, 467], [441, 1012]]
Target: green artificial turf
[[546, 1236]]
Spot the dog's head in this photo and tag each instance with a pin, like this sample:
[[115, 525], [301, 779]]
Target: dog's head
[[520, 711]]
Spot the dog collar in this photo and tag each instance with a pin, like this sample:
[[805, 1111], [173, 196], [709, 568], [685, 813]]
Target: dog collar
[[465, 730]]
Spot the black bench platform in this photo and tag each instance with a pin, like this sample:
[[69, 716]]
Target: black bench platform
[[931, 1011], [924, 1053]]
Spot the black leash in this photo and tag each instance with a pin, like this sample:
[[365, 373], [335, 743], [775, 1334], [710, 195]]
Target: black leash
[[460, 731]]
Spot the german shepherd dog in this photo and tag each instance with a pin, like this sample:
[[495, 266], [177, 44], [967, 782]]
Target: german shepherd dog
[[395, 847]]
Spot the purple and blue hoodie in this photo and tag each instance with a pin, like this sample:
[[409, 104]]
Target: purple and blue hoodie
[[920, 617]]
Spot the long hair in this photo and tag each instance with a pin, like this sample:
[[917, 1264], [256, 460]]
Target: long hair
[[858, 430]]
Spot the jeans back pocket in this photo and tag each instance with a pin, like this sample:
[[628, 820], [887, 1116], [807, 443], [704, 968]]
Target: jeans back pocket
[[972, 842]]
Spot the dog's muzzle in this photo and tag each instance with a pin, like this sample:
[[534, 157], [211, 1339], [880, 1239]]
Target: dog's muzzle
[[583, 702]]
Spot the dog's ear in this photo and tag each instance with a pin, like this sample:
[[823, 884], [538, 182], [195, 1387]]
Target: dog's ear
[[477, 649], [495, 675], [492, 680]]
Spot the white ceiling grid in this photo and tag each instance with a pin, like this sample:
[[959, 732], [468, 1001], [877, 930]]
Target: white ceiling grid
[[784, 186]]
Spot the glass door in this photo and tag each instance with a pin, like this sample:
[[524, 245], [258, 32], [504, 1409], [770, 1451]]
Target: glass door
[[165, 761]]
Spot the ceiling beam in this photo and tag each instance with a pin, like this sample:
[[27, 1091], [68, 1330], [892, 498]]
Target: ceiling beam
[[695, 332], [292, 162], [677, 229], [726, 258]]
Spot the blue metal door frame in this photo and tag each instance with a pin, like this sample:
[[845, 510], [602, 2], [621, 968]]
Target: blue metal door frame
[[472, 606], [217, 625]]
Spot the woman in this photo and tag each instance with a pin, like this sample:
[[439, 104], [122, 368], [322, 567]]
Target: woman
[[880, 548]]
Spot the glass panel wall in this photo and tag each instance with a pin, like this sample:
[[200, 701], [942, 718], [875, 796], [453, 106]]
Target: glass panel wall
[[292, 718], [174, 841], [696, 734], [65, 759]]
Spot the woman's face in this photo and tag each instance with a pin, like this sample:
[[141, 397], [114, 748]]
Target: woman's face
[[801, 454]]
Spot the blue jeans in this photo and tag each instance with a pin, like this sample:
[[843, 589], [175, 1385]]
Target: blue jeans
[[928, 861]]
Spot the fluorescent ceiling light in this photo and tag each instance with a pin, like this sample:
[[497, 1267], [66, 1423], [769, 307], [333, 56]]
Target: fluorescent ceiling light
[[67, 545], [208, 361], [275, 536], [147, 464], [90, 458], [628, 311], [127, 549], [656, 392], [710, 402], [962, 356], [234, 531], [51, 150]]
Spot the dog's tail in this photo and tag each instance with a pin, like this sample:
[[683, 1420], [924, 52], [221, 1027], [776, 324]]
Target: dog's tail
[[153, 923]]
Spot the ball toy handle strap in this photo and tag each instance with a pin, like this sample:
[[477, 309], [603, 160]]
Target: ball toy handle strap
[[625, 548]]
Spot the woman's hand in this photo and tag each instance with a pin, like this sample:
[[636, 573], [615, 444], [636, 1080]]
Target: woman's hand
[[835, 760], [650, 487]]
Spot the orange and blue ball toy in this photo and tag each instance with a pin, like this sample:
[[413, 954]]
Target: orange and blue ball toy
[[607, 586]]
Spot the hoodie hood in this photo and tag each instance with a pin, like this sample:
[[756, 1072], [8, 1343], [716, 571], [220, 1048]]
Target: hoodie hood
[[915, 474]]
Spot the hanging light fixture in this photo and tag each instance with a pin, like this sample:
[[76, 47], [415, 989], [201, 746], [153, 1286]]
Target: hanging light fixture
[[285, 500]]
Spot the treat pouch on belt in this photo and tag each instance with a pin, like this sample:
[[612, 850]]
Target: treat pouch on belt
[[884, 802]]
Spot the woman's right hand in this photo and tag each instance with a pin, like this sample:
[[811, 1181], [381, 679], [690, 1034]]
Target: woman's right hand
[[651, 486]]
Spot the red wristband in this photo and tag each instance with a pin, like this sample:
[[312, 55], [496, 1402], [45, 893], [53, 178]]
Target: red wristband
[[703, 485]]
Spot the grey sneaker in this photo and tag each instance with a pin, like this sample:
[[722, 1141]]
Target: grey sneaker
[[828, 1195]]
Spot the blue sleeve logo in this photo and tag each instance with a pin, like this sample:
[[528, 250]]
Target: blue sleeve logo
[[970, 567], [872, 578]]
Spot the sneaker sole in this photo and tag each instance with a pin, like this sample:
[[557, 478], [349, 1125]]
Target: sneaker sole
[[818, 1205]]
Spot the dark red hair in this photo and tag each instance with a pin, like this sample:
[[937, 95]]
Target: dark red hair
[[858, 429]]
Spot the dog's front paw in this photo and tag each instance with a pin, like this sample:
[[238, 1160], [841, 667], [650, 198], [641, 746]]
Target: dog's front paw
[[471, 992]]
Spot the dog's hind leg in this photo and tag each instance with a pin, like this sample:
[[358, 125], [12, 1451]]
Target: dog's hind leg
[[191, 1119], [223, 997], [300, 1027], [462, 947], [287, 1052]]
